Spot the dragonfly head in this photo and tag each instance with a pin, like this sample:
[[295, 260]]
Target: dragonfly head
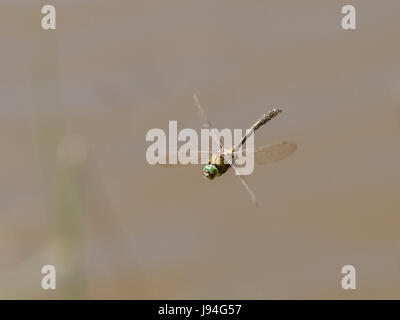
[[210, 171]]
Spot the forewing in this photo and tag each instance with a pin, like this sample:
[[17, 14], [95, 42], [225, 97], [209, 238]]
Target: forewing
[[206, 123]]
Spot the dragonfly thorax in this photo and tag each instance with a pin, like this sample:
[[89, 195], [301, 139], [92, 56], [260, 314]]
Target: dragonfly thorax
[[217, 165]]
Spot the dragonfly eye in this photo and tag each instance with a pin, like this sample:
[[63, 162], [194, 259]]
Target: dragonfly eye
[[210, 171]]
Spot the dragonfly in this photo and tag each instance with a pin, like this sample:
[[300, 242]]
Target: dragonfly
[[226, 159]]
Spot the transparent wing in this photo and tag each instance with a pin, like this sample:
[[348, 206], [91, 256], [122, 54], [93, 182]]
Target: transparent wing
[[251, 193], [169, 156], [242, 180], [206, 123], [272, 153]]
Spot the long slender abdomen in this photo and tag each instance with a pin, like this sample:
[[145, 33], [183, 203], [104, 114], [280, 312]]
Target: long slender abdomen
[[260, 122]]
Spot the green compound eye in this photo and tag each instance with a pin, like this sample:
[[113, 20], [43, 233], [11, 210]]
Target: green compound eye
[[210, 171]]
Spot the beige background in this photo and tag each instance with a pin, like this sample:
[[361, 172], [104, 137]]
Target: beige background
[[76, 191]]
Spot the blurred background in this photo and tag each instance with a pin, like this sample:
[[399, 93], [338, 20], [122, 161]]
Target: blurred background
[[76, 191]]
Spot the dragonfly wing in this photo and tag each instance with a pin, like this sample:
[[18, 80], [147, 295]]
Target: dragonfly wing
[[251, 193], [242, 180], [168, 157], [272, 153], [206, 123]]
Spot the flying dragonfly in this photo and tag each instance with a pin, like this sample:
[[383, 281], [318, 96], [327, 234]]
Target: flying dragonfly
[[225, 159]]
